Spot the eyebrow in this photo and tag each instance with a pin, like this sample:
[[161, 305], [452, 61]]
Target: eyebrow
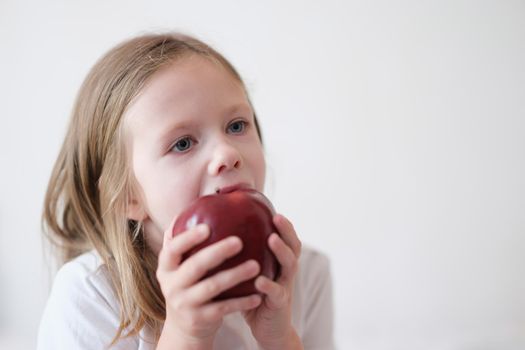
[[190, 122], [167, 132], [236, 108]]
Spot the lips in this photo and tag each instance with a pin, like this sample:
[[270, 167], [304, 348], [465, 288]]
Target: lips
[[232, 188]]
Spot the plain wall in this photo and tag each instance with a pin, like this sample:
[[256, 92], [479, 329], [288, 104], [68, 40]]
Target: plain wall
[[394, 135]]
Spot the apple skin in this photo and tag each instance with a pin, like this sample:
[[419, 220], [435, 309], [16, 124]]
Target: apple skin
[[244, 213]]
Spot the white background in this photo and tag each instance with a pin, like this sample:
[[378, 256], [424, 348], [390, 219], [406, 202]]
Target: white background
[[394, 135]]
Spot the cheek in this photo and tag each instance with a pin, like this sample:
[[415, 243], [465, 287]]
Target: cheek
[[258, 165], [171, 191], [152, 183]]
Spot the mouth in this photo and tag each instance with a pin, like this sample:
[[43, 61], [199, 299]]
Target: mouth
[[236, 187]]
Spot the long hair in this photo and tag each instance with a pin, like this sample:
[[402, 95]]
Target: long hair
[[91, 181]]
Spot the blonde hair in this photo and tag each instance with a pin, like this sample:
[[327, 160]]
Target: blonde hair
[[87, 195]]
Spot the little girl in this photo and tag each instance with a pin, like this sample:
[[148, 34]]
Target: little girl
[[159, 121]]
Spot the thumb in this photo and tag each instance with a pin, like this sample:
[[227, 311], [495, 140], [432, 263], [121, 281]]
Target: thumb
[[168, 234]]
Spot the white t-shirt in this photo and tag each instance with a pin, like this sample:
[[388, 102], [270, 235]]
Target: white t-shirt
[[82, 312]]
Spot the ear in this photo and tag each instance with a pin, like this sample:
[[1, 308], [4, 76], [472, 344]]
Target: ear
[[136, 211]]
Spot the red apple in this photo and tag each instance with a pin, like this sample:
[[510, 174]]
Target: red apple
[[244, 213]]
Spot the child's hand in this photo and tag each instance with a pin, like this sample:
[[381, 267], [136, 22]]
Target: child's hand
[[271, 322], [191, 317]]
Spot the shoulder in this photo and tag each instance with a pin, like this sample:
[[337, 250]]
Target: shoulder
[[82, 310], [85, 278], [314, 301], [314, 266], [313, 281], [312, 257]]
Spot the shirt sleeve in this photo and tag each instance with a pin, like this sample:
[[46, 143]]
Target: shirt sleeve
[[318, 317], [79, 313]]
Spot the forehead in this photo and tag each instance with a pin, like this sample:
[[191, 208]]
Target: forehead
[[187, 88]]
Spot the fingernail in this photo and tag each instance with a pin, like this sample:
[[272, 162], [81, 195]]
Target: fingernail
[[256, 299], [252, 265], [234, 240], [259, 283], [202, 230]]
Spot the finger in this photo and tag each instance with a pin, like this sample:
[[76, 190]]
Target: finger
[[168, 234], [276, 294], [288, 234], [171, 253], [217, 310], [222, 281], [285, 256], [196, 266]]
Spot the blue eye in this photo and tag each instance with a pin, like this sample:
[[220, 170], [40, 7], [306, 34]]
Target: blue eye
[[237, 127], [183, 144]]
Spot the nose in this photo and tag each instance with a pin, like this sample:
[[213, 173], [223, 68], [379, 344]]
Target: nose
[[225, 158]]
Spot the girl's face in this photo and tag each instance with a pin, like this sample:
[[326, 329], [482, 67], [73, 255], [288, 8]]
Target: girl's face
[[189, 132]]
